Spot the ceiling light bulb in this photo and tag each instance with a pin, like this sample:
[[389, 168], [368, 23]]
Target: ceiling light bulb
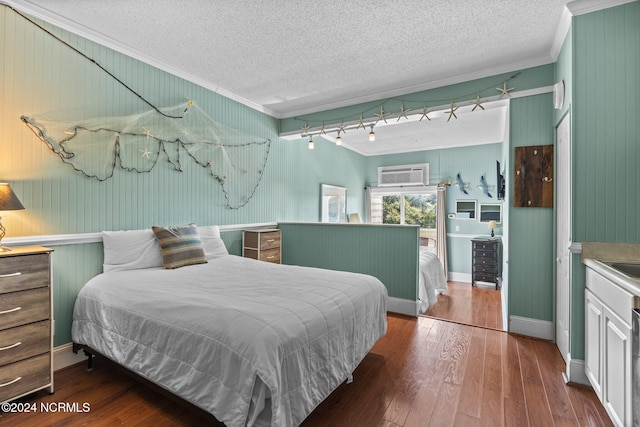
[[311, 145], [339, 140], [372, 135]]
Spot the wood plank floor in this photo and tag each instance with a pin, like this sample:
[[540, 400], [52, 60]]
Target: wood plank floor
[[424, 372], [471, 305]]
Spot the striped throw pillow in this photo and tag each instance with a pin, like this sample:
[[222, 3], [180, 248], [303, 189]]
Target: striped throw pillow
[[180, 246]]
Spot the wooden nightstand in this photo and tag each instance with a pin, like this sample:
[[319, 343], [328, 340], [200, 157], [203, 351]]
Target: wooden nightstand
[[26, 320], [486, 263], [263, 245]]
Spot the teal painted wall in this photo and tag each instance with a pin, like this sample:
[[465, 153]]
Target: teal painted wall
[[603, 64], [39, 75], [531, 232], [471, 163], [607, 138], [388, 252]]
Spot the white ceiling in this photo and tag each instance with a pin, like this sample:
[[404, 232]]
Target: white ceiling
[[488, 126], [292, 57]]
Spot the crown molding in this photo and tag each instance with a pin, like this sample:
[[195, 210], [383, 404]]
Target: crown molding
[[581, 7], [561, 33]]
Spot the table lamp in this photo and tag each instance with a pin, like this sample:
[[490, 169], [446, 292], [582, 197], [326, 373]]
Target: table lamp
[[8, 202], [492, 226], [354, 218]]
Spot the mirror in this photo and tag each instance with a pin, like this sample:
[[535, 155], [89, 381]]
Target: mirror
[[333, 203], [490, 212], [465, 209]]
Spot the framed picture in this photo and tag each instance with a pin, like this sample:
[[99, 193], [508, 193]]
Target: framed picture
[[465, 209], [333, 203], [490, 212]]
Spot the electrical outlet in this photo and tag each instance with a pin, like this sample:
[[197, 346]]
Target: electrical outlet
[[457, 228]]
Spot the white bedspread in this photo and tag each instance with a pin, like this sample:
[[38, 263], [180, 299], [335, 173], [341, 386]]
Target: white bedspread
[[432, 280], [235, 334]]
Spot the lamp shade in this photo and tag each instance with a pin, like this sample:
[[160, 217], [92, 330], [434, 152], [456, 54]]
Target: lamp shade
[[354, 218], [493, 225], [8, 199]]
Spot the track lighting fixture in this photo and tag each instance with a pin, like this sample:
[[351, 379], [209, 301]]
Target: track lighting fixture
[[372, 135]]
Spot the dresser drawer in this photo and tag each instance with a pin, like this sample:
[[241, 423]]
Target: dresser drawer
[[18, 273], [19, 308], [484, 245], [23, 342], [485, 277], [270, 255], [262, 239], [21, 377], [270, 240], [481, 262], [492, 269], [483, 253]]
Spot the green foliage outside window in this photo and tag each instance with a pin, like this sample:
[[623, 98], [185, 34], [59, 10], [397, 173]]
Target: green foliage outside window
[[418, 210]]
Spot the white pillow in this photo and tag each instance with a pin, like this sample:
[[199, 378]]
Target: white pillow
[[135, 249], [130, 250], [212, 244]]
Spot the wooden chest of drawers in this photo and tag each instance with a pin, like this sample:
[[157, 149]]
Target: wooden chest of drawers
[[486, 263], [263, 245], [25, 322]]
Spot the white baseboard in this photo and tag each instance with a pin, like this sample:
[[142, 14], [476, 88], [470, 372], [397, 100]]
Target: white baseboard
[[576, 372], [459, 277], [402, 306], [532, 327], [64, 356]]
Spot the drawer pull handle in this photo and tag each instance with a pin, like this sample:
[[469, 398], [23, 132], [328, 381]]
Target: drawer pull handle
[[11, 311], [11, 346], [271, 257], [10, 275], [271, 240], [11, 382]]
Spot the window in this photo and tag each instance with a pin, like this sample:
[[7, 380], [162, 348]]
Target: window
[[404, 207]]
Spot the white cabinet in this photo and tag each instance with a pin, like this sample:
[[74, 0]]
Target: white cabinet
[[593, 341], [608, 345]]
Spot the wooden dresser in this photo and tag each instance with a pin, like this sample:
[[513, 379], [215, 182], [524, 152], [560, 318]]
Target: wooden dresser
[[486, 262], [262, 244], [26, 334]]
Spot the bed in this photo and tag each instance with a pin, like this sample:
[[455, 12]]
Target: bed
[[431, 278], [251, 342]]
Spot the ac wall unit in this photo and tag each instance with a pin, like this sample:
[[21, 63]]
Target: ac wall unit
[[398, 176]]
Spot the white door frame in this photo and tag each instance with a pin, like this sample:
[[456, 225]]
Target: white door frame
[[563, 235]]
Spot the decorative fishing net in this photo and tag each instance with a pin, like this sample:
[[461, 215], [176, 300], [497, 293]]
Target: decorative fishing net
[[136, 143]]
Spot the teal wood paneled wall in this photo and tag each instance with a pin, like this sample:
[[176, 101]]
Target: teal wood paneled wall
[[40, 76], [388, 252], [531, 232], [471, 163], [605, 106]]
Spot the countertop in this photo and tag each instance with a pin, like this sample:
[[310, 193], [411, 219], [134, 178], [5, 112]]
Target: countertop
[[627, 283], [596, 254]]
